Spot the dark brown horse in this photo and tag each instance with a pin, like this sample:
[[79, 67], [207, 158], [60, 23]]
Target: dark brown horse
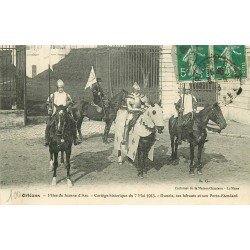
[[197, 136], [107, 113], [150, 122], [61, 139]]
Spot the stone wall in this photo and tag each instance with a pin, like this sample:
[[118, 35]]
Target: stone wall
[[11, 118], [169, 86], [238, 111]]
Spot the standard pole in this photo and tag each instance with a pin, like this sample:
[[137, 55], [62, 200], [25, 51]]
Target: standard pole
[[25, 87]]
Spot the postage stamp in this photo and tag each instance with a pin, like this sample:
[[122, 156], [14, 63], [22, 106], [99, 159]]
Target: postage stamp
[[124, 124]]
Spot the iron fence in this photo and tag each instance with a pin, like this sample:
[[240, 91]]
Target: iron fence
[[12, 77], [121, 66]]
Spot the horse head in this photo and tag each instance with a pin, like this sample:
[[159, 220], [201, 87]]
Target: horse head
[[217, 116], [155, 113], [119, 99], [60, 119]]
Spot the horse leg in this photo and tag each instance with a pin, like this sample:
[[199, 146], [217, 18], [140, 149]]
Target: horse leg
[[55, 167], [62, 158], [68, 153], [106, 131], [51, 162], [144, 156], [172, 147], [119, 157], [140, 161], [200, 147], [176, 148], [191, 166], [78, 126]]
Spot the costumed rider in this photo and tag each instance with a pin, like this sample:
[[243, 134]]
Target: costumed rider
[[186, 106], [60, 98], [97, 91], [98, 97], [136, 105]]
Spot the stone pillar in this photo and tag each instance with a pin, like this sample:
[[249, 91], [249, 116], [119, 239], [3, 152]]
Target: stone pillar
[[169, 86]]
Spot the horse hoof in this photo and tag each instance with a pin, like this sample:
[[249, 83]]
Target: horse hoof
[[51, 165], [191, 172], [199, 172], [120, 160], [53, 181], [140, 175], [69, 183]]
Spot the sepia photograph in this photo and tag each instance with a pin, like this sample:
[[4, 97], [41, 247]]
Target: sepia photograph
[[140, 124]]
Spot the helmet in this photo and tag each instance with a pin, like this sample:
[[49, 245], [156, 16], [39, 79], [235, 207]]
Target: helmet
[[136, 86], [60, 83]]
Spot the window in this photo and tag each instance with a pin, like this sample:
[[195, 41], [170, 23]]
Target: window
[[34, 72]]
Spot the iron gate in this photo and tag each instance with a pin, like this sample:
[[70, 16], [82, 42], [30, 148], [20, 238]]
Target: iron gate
[[205, 92], [12, 77], [121, 66]]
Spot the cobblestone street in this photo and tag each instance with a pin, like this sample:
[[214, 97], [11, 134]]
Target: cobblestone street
[[25, 161]]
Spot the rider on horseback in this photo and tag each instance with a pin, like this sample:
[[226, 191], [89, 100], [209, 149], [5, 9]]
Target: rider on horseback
[[59, 98], [186, 105], [98, 97], [136, 103]]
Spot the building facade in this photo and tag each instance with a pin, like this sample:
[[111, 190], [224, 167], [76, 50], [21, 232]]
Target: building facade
[[39, 57], [238, 110]]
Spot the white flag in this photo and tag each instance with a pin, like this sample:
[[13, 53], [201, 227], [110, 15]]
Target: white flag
[[92, 78], [51, 67]]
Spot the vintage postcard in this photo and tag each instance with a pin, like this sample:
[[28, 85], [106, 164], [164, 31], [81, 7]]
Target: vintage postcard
[[124, 124]]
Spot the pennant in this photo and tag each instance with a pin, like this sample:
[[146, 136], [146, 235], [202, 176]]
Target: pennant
[[92, 78]]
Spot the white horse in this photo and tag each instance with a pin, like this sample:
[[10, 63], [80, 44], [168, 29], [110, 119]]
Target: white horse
[[141, 137]]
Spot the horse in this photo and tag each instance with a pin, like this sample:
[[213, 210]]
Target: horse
[[198, 136], [61, 140], [141, 137], [106, 113]]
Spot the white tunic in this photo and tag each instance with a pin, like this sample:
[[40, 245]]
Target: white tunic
[[188, 104], [59, 99]]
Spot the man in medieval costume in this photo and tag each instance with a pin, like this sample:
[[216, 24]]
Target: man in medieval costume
[[60, 98], [136, 104], [186, 106]]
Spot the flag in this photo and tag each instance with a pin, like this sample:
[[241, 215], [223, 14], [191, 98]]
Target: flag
[[92, 78], [51, 67]]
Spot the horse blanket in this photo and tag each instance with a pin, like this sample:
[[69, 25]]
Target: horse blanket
[[139, 130]]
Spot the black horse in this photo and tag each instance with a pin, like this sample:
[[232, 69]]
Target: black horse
[[150, 122], [61, 139], [198, 135], [105, 111]]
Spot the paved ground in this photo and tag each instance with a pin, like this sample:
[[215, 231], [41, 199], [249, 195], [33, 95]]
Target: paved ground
[[25, 161]]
